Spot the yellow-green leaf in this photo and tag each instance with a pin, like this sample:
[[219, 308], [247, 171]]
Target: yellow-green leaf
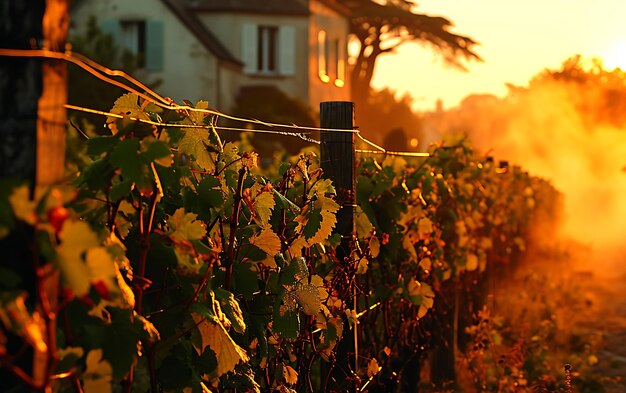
[[98, 375], [290, 375], [196, 116], [215, 336], [196, 142], [184, 226], [269, 242], [76, 238], [23, 207], [102, 268], [263, 204], [309, 299]]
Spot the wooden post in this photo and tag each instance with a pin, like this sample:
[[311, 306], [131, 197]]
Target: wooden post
[[338, 157], [52, 120]]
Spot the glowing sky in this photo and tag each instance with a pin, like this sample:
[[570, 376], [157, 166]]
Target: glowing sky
[[518, 39]]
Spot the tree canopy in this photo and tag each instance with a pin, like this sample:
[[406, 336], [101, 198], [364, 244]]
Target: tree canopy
[[382, 26]]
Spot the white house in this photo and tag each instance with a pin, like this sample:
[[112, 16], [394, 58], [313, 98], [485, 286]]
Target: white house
[[210, 49]]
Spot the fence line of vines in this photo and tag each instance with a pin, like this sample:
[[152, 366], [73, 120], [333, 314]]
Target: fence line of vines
[[172, 263]]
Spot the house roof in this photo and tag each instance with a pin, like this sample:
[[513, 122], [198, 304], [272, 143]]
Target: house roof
[[337, 6], [208, 40], [275, 7]]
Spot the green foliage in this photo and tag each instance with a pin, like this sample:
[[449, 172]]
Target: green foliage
[[180, 266]]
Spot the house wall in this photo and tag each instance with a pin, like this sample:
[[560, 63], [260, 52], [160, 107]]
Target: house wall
[[189, 70], [228, 28], [336, 27]]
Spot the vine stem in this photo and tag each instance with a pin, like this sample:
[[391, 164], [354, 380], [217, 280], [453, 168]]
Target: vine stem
[[140, 284], [234, 222]]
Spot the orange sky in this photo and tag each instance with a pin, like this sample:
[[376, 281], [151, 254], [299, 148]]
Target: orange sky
[[518, 39]]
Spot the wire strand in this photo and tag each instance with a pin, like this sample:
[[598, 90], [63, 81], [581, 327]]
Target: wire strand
[[98, 70], [166, 104], [394, 153], [196, 126]]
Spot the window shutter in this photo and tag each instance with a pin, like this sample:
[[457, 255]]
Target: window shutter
[[249, 48], [112, 27], [154, 45], [287, 50]]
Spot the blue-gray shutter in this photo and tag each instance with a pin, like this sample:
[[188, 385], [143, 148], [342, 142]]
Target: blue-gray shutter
[[154, 45], [112, 27], [249, 48], [287, 50]]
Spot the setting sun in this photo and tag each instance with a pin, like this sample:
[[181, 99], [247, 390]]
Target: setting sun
[[615, 56]]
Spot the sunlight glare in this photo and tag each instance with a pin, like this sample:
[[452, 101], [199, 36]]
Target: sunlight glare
[[615, 56]]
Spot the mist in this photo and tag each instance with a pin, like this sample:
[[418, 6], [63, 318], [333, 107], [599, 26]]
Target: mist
[[567, 126]]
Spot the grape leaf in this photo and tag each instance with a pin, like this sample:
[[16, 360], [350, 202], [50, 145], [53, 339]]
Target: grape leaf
[[23, 207], [318, 282], [231, 309], [269, 242], [309, 299], [76, 238], [363, 225], [196, 142], [99, 373], [263, 204], [214, 335], [102, 268], [120, 190], [330, 335], [285, 321], [68, 357], [245, 279], [329, 219], [420, 294], [230, 156], [290, 375], [184, 226], [210, 191], [157, 151], [99, 145], [127, 105], [125, 156], [198, 117]]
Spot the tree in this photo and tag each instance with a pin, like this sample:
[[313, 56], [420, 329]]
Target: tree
[[381, 27]]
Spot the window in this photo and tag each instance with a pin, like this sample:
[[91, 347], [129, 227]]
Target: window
[[145, 39], [340, 63], [133, 34], [322, 56], [266, 49], [331, 63]]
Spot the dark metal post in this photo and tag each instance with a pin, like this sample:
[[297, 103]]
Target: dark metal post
[[338, 157], [20, 88]]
